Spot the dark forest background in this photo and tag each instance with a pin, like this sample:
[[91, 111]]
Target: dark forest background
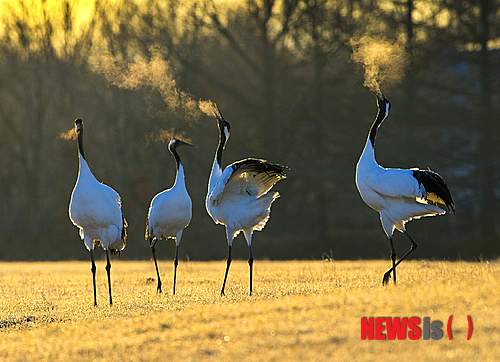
[[282, 73]]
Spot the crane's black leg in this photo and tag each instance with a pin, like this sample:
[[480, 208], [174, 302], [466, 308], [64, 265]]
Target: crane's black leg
[[108, 270], [93, 269], [250, 264], [176, 262], [405, 255], [387, 274], [411, 250], [153, 250], [227, 270]]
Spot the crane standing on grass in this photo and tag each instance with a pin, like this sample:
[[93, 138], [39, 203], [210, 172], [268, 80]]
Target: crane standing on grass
[[170, 212], [238, 196], [96, 210], [398, 195]]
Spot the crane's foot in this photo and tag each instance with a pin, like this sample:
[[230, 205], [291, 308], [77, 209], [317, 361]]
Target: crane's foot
[[386, 278], [158, 288]]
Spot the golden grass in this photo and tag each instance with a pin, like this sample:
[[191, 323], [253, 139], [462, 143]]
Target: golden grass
[[300, 311]]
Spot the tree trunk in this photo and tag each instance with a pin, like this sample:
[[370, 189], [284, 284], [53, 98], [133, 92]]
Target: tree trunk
[[486, 147], [318, 102], [410, 90]]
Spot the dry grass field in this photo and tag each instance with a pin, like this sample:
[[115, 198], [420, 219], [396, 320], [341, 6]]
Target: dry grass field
[[301, 310]]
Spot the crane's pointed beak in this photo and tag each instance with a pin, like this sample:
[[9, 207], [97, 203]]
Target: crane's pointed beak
[[380, 96], [184, 143]]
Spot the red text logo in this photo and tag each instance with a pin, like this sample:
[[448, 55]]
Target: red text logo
[[412, 328]]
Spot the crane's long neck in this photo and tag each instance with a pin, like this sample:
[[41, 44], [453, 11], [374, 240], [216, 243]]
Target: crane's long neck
[[368, 154], [83, 167], [80, 144], [217, 165], [381, 115], [179, 177], [220, 147]]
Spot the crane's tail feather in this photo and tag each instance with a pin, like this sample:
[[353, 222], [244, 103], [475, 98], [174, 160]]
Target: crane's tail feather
[[123, 238], [437, 192], [124, 229], [148, 234]]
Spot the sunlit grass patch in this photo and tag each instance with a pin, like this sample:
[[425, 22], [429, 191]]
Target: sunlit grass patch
[[307, 310]]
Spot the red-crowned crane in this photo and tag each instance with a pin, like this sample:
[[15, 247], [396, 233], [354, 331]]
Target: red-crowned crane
[[398, 195], [96, 210], [239, 195], [170, 212]]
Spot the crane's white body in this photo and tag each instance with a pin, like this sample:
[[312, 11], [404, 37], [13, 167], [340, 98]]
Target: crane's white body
[[95, 209], [393, 192], [240, 204], [170, 211]]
